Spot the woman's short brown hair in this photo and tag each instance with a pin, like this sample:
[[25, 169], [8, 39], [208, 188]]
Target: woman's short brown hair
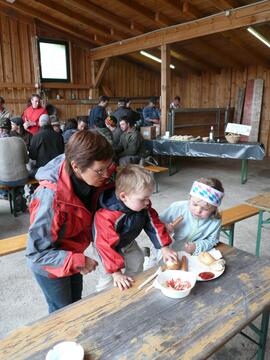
[[85, 147]]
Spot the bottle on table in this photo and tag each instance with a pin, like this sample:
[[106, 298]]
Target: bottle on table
[[211, 134]]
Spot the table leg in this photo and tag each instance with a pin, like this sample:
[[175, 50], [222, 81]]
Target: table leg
[[259, 232], [170, 167], [231, 235], [263, 335], [244, 171]]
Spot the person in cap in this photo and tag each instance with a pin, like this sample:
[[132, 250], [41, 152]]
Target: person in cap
[[32, 114], [151, 113], [122, 110], [46, 144], [13, 158], [55, 124], [4, 113], [17, 129], [5, 127]]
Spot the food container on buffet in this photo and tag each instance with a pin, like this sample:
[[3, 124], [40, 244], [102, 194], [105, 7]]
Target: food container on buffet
[[161, 283]]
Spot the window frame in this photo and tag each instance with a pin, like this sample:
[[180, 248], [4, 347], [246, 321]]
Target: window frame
[[60, 42]]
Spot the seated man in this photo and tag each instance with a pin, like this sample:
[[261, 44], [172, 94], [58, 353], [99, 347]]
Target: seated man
[[130, 149], [151, 113], [13, 159]]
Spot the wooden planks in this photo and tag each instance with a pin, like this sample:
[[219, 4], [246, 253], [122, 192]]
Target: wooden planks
[[13, 244]]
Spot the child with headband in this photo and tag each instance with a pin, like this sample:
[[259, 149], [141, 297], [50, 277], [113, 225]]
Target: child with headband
[[199, 230]]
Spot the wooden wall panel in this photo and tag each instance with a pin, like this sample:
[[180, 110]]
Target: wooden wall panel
[[122, 78]]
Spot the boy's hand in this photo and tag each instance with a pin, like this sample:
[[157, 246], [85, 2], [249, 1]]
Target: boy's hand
[[169, 254], [122, 281], [190, 248], [90, 265], [169, 227]]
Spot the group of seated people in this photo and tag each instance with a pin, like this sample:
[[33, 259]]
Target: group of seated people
[[35, 138]]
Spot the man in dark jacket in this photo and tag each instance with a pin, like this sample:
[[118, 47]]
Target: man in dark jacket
[[131, 148], [123, 110], [98, 111], [46, 144]]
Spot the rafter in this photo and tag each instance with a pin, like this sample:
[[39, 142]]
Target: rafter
[[189, 56], [220, 54], [238, 18], [146, 13], [178, 62], [80, 19], [190, 11], [97, 12], [24, 9], [246, 49], [223, 4]]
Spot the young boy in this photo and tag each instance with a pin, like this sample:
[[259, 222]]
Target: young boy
[[124, 213]]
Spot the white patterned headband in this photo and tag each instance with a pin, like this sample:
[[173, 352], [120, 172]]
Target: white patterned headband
[[206, 193]]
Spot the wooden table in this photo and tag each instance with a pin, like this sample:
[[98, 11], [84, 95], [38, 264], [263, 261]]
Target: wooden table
[[262, 202], [138, 325]]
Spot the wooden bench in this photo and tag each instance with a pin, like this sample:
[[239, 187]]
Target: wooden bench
[[233, 215], [13, 244], [156, 170], [13, 192]]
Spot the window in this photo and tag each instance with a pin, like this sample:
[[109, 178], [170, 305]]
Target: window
[[54, 60]]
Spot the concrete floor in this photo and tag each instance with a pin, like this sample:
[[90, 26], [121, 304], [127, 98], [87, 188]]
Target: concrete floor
[[21, 299]]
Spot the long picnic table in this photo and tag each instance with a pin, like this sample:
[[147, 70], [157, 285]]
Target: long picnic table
[[134, 324], [243, 151]]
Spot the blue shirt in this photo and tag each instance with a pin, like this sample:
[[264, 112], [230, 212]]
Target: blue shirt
[[150, 113], [97, 112], [203, 232]]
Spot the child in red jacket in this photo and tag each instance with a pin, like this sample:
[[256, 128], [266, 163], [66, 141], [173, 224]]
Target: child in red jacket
[[124, 213]]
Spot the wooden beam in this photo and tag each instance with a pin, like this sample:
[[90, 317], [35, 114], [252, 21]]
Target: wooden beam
[[240, 17], [165, 85], [190, 11], [94, 27], [190, 57], [101, 71], [24, 9], [223, 4], [145, 12], [96, 12], [56, 85]]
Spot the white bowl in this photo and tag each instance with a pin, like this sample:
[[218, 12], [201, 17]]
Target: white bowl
[[162, 278], [66, 350]]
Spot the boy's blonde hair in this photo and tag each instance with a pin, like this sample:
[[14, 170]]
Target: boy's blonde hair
[[133, 178]]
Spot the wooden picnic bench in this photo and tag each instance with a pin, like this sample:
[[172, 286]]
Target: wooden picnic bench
[[13, 244], [233, 215], [155, 169], [12, 194]]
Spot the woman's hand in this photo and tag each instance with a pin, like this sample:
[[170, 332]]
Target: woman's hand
[[190, 248], [122, 281], [169, 254], [90, 265]]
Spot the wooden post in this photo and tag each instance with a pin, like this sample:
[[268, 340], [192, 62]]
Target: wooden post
[[165, 85]]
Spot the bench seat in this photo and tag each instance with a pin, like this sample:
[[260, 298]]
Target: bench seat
[[233, 215], [156, 170], [13, 244]]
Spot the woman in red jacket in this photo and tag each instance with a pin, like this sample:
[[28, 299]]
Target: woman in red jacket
[[61, 212]]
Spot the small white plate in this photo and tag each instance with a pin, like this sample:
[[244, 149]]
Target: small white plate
[[66, 350], [195, 266]]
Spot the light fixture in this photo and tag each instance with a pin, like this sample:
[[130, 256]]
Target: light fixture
[[155, 58], [258, 36]]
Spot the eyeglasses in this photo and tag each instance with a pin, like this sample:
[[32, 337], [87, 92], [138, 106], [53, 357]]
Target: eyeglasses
[[104, 172]]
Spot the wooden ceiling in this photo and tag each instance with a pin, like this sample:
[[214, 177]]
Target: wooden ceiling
[[101, 22]]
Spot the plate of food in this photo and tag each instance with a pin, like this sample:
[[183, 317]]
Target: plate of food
[[206, 266]]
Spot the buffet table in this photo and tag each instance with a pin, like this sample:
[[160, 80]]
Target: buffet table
[[243, 151], [134, 324]]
